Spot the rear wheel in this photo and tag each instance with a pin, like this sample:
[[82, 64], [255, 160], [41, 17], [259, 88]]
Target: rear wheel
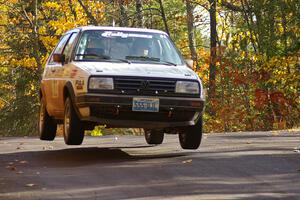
[[190, 137], [73, 127], [47, 125], [154, 136]]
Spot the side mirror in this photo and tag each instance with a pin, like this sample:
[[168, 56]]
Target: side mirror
[[190, 63], [59, 58]]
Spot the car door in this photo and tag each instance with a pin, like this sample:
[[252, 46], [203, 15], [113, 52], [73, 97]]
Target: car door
[[50, 80], [63, 75]]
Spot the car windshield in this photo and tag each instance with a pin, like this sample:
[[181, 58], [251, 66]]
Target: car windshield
[[127, 46]]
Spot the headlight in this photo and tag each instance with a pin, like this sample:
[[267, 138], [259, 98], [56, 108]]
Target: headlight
[[187, 87], [97, 83]]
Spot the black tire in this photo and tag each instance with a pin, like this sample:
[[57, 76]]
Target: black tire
[[190, 137], [154, 136], [73, 128], [47, 125]]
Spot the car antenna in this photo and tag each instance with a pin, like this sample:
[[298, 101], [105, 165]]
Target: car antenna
[[113, 23]]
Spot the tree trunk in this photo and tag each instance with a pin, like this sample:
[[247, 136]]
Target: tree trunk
[[123, 14], [191, 35], [36, 46], [72, 9], [139, 7], [248, 18], [88, 13], [213, 52], [162, 11]]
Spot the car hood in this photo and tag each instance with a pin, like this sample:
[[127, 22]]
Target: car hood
[[137, 69]]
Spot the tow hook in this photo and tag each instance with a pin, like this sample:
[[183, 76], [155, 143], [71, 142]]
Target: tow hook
[[170, 112], [117, 110]]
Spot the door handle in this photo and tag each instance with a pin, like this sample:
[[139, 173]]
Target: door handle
[[53, 70]]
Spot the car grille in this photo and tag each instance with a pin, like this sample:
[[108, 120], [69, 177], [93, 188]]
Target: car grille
[[145, 86]]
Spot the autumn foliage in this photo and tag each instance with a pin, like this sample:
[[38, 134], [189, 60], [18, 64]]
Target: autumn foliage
[[257, 54]]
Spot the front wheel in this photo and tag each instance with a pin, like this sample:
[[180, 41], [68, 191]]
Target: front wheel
[[73, 127], [190, 137], [154, 136], [47, 125]]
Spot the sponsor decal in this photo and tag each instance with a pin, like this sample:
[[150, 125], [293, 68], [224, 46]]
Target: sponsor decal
[[79, 84], [124, 35]]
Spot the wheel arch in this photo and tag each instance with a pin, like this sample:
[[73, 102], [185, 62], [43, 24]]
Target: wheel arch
[[68, 91], [40, 93]]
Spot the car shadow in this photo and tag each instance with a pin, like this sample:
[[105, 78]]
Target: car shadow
[[113, 173], [83, 156]]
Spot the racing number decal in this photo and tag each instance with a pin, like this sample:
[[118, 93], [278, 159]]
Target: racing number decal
[[54, 88]]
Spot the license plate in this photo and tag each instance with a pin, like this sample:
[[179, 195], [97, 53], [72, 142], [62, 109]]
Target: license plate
[[145, 104]]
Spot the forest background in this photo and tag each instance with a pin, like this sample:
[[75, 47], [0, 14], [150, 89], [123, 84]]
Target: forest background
[[246, 52]]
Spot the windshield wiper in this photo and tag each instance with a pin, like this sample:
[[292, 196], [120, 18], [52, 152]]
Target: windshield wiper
[[142, 58], [122, 60], [103, 57], [145, 58], [168, 63]]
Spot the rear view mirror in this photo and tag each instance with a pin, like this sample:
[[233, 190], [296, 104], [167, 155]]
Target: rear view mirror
[[59, 58], [190, 63]]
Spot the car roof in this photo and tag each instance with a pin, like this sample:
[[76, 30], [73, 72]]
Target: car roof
[[111, 28]]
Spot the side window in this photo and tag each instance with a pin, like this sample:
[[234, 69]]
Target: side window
[[60, 47], [82, 44], [68, 47], [61, 44]]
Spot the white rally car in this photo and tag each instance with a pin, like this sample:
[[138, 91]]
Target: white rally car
[[120, 77]]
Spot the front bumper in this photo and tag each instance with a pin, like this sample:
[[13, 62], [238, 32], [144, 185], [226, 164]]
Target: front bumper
[[116, 111]]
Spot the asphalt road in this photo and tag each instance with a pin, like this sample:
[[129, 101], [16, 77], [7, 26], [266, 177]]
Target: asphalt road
[[260, 165]]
